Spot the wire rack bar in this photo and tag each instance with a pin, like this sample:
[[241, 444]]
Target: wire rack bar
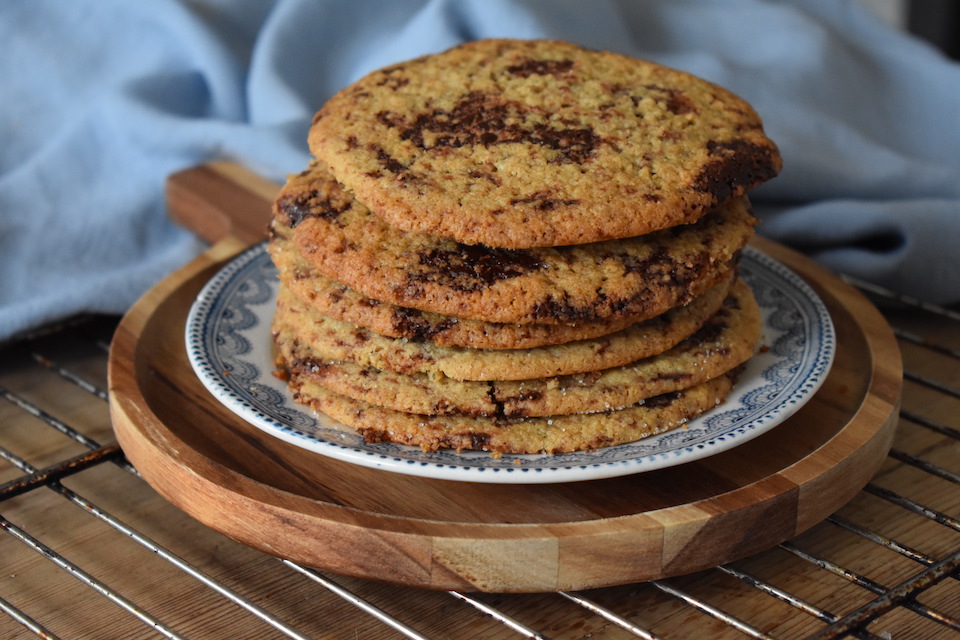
[[948, 567], [48, 419], [912, 338], [610, 616], [779, 594], [86, 578], [711, 611], [498, 616], [932, 384], [902, 594], [932, 425], [56, 472], [887, 598], [884, 541], [901, 298], [356, 600], [29, 623], [923, 465], [914, 506], [66, 374], [144, 541], [181, 564]]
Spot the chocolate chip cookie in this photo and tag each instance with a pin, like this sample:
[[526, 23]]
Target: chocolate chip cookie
[[727, 339], [516, 144], [333, 340], [336, 300], [637, 277], [553, 435]]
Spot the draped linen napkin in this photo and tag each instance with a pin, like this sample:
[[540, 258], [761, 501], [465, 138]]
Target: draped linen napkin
[[100, 100]]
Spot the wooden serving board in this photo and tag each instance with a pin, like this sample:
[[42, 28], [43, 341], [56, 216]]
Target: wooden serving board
[[445, 534]]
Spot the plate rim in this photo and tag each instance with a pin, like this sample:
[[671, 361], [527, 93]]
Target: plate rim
[[213, 381]]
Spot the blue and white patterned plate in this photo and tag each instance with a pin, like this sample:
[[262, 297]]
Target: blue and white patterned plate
[[229, 345]]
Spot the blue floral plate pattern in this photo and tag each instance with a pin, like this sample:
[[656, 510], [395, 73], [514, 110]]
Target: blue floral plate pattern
[[229, 346]]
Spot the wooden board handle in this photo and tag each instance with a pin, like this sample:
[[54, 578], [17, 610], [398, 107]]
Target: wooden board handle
[[220, 200]]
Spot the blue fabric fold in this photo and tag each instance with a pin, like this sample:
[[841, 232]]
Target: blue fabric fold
[[100, 100]]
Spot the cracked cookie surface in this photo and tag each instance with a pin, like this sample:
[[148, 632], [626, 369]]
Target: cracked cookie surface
[[554, 435], [332, 340], [635, 278], [336, 300], [727, 339], [517, 144]]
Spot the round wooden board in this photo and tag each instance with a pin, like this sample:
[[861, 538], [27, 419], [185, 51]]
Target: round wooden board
[[443, 534]]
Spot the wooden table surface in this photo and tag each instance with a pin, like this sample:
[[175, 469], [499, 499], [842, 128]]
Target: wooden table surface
[[89, 550]]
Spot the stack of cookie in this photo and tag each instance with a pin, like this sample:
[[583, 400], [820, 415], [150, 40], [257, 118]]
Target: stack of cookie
[[519, 247]]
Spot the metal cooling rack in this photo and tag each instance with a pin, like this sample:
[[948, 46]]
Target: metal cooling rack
[[89, 551]]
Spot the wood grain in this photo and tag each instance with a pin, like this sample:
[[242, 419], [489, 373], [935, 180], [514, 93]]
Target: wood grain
[[469, 536], [221, 199]]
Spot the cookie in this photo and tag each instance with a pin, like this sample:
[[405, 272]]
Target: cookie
[[553, 435], [332, 340], [338, 301], [518, 144], [725, 341], [634, 277]]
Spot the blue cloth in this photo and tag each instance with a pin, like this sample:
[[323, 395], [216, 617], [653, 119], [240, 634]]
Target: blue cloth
[[101, 99]]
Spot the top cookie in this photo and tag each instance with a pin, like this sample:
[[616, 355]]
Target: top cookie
[[519, 144]]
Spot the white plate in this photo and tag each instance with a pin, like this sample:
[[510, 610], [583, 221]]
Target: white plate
[[229, 345]]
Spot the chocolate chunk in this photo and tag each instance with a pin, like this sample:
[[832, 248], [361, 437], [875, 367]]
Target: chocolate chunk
[[510, 406], [373, 436], [311, 366], [658, 402], [543, 202], [675, 375], [676, 101], [389, 162], [300, 206], [552, 308], [487, 119], [739, 165], [528, 68], [479, 440], [410, 324], [474, 267], [495, 180], [664, 268], [709, 332]]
